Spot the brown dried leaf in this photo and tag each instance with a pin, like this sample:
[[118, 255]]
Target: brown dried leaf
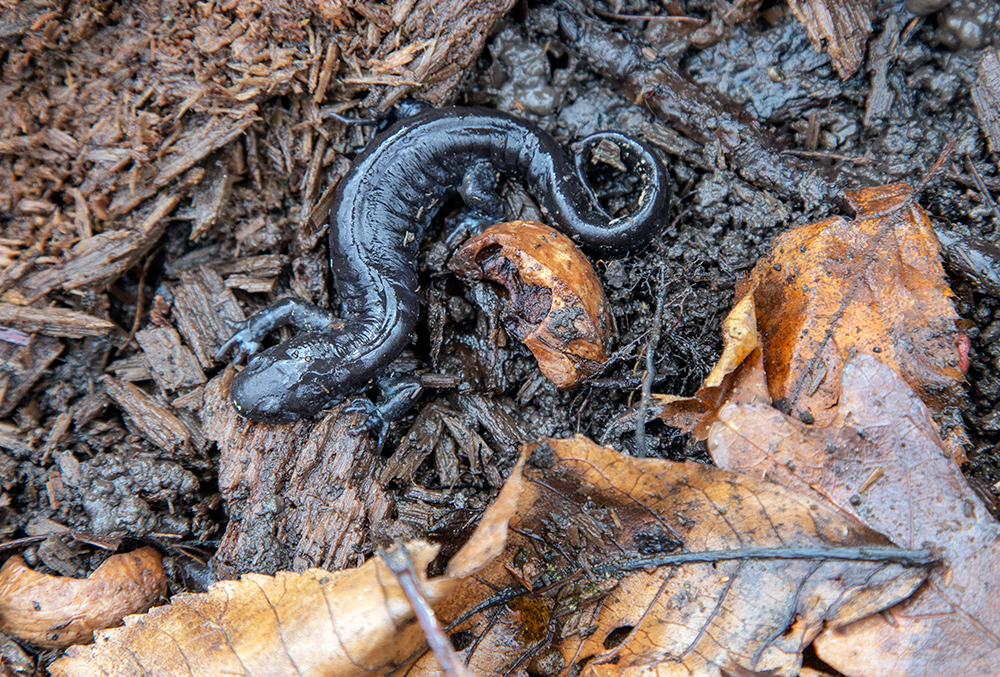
[[354, 622], [588, 527], [57, 611], [557, 303], [882, 460], [838, 27], [874, 285]]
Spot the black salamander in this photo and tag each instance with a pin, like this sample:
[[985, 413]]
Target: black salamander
[[377, 220]]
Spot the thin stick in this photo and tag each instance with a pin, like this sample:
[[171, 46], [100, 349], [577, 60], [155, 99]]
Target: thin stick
[[647, 378], [398, 561], [925, 557]]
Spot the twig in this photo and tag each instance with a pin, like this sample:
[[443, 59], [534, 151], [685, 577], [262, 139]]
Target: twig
[[650, 373], [983, 190], [650, 17], [823, 155], [398, 561], [923, 557]]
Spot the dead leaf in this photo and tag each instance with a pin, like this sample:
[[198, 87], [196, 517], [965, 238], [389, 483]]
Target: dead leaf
[[882, 460], [57, 611], [557, 304], [838, 27], [873, 285], [315, 623], [591, 526]]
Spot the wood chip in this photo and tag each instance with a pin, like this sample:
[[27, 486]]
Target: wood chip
[[306, 493], [190, 148], [58, 322], [206, 312], [838, 27], [148, 417], [172, 365], [208, 198], [22, 366], [104, 257], [986, 96], [253, 285]]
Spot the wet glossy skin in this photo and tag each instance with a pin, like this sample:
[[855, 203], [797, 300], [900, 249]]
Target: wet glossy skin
[[381, 209]]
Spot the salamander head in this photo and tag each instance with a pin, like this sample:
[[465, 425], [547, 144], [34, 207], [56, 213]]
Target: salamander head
[[279, 386]]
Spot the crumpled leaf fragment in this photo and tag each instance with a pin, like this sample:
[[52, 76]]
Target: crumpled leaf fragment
[[881, 460], [557, 305], [57, 611], [586, 511]]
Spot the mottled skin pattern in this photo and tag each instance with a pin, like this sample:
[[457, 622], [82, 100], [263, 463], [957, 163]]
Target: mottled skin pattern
[[381, 209]]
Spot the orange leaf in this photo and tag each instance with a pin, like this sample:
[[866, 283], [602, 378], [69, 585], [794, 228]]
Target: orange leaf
[[313, 623], [874, 285]]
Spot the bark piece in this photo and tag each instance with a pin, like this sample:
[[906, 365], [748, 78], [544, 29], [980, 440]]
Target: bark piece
[[57, 611], [986, 97], [58, 322], [306, 493], [838, 27], [22, 366], [206, 312], [172, 365], [450, 36], [882, 461], [208, 198]]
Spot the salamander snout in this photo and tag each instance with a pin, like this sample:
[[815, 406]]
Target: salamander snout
[[276, 388]]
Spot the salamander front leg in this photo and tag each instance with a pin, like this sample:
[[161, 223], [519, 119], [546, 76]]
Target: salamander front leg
[[397, 392], [249, 335]]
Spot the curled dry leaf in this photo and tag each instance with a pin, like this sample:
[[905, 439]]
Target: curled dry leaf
[[57, 611], [589, 527], [557, 305], [354, 622], [882, 461]]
